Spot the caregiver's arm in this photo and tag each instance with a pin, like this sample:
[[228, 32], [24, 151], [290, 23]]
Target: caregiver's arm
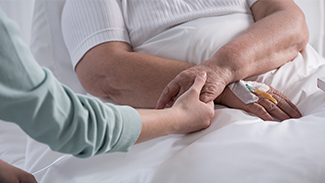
[[53, 114], [279, 33]]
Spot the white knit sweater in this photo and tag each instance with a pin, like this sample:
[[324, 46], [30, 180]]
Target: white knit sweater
[[87, 23]]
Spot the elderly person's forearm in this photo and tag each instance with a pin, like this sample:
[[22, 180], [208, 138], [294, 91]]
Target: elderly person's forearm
[[279, 33], [277, 36], [127, 77]]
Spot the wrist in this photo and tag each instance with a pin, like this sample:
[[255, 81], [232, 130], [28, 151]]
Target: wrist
[[231, 61], [178, 117], [155, 123], [223, 72]]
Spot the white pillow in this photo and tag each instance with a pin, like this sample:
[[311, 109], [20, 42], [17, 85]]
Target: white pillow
[[314, 12], [190, 38], [47, 42]]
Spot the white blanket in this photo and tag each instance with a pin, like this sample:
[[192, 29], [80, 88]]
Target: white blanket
[[237, 147]]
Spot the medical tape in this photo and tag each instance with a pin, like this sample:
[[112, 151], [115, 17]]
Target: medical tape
[[240, 90]]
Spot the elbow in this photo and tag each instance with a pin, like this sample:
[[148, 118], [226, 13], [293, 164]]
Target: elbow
[[101, 73], [102, 86], [302, 32], [97, 82]]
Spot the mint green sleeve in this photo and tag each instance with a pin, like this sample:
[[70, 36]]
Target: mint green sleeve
[[50, 112]]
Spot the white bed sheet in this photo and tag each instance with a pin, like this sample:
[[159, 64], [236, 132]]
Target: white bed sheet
[[238, 147]]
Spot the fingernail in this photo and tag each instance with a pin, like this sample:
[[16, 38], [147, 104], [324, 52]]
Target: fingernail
[[297, 115], [203, 74]]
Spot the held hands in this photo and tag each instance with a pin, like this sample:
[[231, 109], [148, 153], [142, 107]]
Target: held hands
[[214, 85], [194, 114], [264, 108], [188, 114], [11, 174]]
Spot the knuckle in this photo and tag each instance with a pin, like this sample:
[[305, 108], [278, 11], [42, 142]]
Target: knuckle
[[206, 124], [210, 89], [166, 90], [276, 92], [262, 100], [186, 74], [271, 107], [280, 101], [258, 109], [209, 114]]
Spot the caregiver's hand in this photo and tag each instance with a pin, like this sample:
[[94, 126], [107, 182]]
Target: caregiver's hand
[[193, 114], [217, 79], [264, 108], [11, 174], [187, 115]]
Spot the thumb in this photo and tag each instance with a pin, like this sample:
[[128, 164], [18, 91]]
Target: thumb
[[199, 82]]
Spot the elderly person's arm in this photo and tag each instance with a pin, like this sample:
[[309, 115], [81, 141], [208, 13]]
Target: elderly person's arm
[[279, 33], [113, 69]]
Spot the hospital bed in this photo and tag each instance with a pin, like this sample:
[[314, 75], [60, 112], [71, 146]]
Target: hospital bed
[[237, 147]]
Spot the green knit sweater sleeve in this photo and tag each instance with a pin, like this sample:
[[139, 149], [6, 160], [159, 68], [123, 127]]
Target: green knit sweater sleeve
[[53, 114]]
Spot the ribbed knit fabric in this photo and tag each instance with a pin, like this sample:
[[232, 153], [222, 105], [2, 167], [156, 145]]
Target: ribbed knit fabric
[[87, 23]]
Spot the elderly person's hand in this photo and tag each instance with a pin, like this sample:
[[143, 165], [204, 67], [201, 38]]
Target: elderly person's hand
[[11, 174], [217, 80], [264, 108]]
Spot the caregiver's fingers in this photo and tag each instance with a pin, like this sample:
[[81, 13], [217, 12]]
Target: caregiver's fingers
[[174, 90], [168, 95], [199, 82], [180, 84]]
